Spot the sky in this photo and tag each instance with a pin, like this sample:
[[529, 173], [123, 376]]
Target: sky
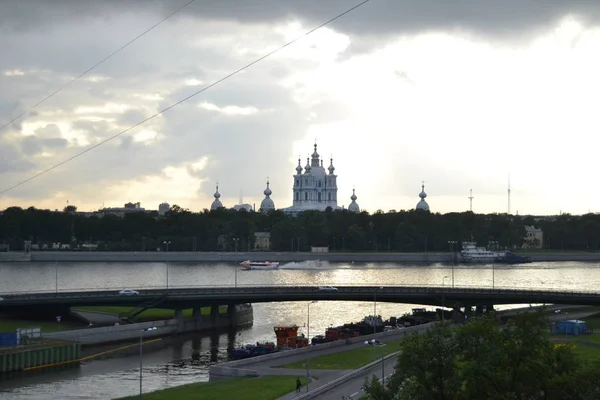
[[460, 95]]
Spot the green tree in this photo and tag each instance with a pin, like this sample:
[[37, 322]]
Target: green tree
[[482, 360]]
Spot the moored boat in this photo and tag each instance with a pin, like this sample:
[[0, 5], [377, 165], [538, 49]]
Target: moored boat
[[470, 253]]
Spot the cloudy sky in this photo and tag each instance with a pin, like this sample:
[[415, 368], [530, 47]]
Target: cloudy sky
[[454, 93]]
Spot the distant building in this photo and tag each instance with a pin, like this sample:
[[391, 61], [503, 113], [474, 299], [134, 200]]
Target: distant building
[[534, 238], [244, 206], [126, 209], [262, 241], [314, 188], [163, 208]]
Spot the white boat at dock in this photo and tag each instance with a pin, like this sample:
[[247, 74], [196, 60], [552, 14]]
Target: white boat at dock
[[471, 253]]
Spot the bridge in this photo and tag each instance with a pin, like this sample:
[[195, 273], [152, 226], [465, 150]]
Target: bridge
[[196, 297]]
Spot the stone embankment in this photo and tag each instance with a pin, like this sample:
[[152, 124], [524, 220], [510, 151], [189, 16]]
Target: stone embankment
[[284, 257], [243, 316]]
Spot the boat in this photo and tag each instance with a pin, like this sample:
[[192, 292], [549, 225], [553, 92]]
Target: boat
[[512, 258], [251, 350], [369, 325], [470, 253], [287, 337], [249, 265]]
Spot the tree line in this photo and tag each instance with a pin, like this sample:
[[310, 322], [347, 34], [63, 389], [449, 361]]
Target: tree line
[[481, 360], [340, 230]]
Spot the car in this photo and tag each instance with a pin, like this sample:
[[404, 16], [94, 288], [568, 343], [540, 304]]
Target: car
[[128, 292], [327, 289]]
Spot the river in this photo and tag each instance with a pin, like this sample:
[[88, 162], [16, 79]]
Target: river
[[185, 359]]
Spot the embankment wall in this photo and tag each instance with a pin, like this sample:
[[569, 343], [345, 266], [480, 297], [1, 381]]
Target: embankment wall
[[235, 257]]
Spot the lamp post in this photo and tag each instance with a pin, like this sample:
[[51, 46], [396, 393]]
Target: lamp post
[[494, 243], [153, 328], [443, 293], [236, 241], [167, 243], [452, 244], [375, 308], [308, 336], [373, 343]]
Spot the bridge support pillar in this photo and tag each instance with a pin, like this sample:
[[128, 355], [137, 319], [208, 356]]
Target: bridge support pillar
[[489, 308], [197, 315], [479, 309], [232, 314], [178, 315], [214, 316]]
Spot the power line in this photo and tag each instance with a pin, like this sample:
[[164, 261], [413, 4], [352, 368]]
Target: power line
[[60, 89], [185, 98]]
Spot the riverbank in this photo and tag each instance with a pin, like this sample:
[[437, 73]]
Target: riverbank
[[283, 257]]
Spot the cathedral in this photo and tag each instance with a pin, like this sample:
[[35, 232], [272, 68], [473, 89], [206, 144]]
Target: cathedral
[[314, 187]]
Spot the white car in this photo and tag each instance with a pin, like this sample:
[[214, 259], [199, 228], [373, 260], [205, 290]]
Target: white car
[[327, 289], [128, 292]]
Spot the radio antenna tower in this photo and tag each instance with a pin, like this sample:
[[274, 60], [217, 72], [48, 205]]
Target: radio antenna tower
[[509, 193], [471, 200]]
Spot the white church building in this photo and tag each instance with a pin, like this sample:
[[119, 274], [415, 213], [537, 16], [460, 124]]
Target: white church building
[[315, 188]]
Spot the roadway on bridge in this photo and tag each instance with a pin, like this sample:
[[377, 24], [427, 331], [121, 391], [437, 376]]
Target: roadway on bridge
[[187, 298]]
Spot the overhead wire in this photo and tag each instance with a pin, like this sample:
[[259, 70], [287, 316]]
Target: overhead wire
[[60, 89], [205, 88]]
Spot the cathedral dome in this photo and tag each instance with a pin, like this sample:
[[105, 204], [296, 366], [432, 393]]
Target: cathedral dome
[[353, 207], [299, 167], [422, 204], [216, 204], [267, 204]]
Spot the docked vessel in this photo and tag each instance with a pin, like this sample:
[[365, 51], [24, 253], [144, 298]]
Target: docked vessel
[[248, 265], [470, 253], [287, 338], [512, 258]]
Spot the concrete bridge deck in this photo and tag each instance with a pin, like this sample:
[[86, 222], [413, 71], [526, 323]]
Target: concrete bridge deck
[[185, 298]]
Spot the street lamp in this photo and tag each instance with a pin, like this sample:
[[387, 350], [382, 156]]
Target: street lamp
[[453, 243], [153, 328], [375, 308], [494, 243], [375, 343], [167, 243], [236, 240], [308, 336], [443, 293]]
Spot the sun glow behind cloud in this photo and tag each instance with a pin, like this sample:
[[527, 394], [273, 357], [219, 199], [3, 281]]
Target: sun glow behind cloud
[[453, 110], [480, 109]]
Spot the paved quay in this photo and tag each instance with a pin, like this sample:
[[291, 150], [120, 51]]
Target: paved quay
[[236, 257]]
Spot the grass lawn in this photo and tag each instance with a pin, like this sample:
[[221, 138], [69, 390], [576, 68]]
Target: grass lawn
[[351, 359], [263, 388], [150, 314], [11, 325]]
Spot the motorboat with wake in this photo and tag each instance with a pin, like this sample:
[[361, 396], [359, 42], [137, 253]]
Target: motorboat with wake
[[250, 265]]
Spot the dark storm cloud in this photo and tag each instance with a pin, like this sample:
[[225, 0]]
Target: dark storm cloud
[[379, 17]]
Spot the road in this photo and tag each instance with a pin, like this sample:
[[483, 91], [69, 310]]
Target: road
[[353, 388]]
